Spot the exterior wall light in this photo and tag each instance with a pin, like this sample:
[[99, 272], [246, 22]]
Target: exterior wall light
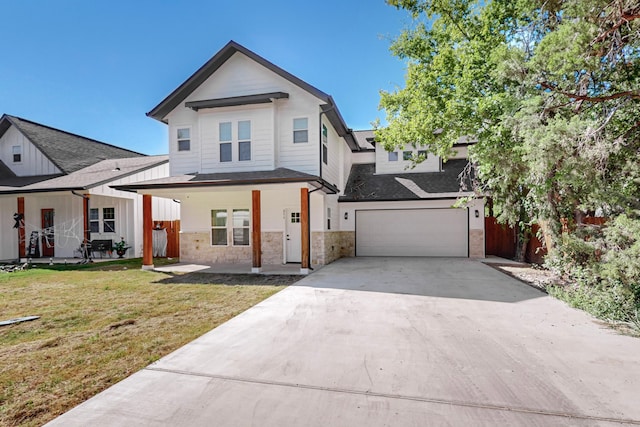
[[346, 215], [477, 213]]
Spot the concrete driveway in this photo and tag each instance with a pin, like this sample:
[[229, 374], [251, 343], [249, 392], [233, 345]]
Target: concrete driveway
[[389, 342]]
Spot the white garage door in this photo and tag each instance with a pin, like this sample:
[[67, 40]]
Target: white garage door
[[412, 232]]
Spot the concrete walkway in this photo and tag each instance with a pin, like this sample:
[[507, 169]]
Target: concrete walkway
[[389, 342]]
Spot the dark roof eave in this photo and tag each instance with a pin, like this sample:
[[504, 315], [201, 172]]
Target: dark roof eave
[[316, 182], [403, 199], [260, 98], [203, 73], [42, 190]]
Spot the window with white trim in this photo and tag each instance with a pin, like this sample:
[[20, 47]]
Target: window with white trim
[[94, 220], [225, 137], [244, 140], [393, 156], [328, 218], [300, 130], [17, 153], [219, 227], [184, 139], [241, 227], [108, 220]]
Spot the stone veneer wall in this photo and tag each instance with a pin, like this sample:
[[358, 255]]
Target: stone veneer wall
[[196, 247], [272, 248], [476, 244], [329, 246]]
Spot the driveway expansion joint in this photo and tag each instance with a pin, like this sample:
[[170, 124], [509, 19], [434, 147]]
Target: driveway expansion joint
[[449, 402]]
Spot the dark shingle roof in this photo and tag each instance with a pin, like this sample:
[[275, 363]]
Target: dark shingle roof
[[365, 185], [69, 152], [5, 172], [276, 176], [92, 176]]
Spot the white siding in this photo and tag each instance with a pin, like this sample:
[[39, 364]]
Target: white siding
[[33, 161], [384, 166], [272, 124], [9, 241], [331, 170]]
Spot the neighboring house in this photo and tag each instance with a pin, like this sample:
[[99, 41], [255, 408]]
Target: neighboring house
[[60, 185], [267, 171]]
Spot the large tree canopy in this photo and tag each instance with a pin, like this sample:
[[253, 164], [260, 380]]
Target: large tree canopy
[[550, 89]]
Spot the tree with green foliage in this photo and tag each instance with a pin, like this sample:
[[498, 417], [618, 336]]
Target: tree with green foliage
[[550, 89]]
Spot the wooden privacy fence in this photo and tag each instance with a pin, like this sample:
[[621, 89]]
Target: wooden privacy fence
[[173, 236], [500, 239]]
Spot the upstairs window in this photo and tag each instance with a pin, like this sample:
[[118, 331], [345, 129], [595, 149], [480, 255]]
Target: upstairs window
[[423, 154], [17, 154], [108, 220], [225, 141], [244, 140], [407, 155], [184, 139], [393, 156], [300, 130], [325, 149]]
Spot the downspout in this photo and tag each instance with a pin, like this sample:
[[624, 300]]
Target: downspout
[[85, 232]]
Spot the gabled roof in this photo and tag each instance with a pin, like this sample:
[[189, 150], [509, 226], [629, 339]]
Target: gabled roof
[[176, 97], [223, 179], [5, 172], [365, 185], [69, 152], [84, 179]]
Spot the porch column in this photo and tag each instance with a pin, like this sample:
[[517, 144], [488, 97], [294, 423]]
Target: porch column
[[256, 232], [147, 233], [22, 241], [85, 218], [305, 232]]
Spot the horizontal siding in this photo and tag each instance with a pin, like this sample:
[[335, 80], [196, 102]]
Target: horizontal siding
[[383, 165], [9, 241]]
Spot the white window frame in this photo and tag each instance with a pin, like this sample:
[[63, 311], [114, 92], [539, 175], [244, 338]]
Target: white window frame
[[94, 220], [230, 227], [16, 150], [242, 227], [179, 139], [392, 156], [244, 140], [297, 130], [325, 145], [220, 227], [225, 142]]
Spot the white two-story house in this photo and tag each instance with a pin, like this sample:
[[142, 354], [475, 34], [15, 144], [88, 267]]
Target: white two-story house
[[55, 192], [267, 172]]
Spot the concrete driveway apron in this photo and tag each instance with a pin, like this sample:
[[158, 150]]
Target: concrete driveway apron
[[388, 342]]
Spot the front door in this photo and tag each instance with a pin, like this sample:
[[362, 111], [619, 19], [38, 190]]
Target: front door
[[293, 236], [48, 236]]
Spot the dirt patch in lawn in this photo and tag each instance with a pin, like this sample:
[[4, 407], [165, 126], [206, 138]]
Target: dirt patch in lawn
[[97, 327]]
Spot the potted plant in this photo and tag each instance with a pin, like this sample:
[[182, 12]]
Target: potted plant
[[121, 247]]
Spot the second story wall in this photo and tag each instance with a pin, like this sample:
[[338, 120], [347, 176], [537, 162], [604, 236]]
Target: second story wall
[[246, 137], [398, 161], [22, 157]]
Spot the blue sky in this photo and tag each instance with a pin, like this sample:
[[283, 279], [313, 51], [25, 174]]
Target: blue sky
[[96, 67]]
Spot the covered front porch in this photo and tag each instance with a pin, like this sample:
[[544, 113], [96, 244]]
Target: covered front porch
[[258, 225]]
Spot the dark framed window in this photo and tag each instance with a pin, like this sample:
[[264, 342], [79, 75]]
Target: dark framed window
[[325, 149], [300, 130], [423, 154], [184, 139], [295, 217], [244, 140], [108, 220], [407, 155]]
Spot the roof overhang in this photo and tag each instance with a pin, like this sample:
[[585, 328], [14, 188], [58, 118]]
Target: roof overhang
[[261, 98], [315, 182]]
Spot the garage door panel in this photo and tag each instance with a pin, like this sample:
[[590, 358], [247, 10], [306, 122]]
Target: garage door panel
[[412, 232]]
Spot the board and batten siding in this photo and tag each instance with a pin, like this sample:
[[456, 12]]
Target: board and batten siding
[[9, 241], [271, 124], [33, 161]]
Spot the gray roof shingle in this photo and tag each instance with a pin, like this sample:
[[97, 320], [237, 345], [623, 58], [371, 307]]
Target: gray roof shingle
[[69, 152], [365, 185]]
